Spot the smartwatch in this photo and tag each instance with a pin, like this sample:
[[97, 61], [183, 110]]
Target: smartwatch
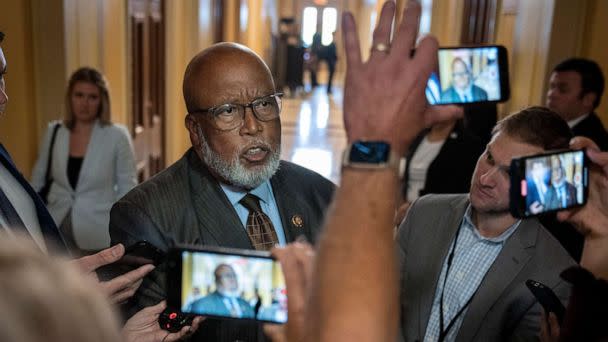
[[370, 155]]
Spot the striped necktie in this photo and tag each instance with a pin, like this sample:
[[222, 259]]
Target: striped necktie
[[259, 226]]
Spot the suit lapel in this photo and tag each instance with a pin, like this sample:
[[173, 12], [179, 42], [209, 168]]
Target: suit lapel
[[499, 277], [441, 240], [293, 210], [49, 230], [218, 221]]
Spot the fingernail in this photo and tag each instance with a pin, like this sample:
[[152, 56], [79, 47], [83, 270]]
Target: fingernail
[[116, 250]]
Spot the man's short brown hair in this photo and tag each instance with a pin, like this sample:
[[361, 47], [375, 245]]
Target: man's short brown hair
[[538, 126]]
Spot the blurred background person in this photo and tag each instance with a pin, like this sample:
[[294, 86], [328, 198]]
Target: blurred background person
[[331, 57], [92, 164], [47, 300], [315, 54], [440, 160], [575, 90], [51, 300]]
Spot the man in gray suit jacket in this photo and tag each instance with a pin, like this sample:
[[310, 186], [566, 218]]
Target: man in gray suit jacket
[[486, 253], [235, 131]]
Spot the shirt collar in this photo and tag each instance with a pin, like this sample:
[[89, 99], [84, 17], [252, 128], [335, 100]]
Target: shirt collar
[[574, 122], [468, 92], [498, 239], [234, 194]]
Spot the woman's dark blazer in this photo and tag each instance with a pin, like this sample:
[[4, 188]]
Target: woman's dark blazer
[[452, 169]]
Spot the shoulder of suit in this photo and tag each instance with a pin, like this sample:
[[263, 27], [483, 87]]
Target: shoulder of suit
[[115, 128], [549, 245], [442, 201], [299, 173], [54, 123], [164, 186]]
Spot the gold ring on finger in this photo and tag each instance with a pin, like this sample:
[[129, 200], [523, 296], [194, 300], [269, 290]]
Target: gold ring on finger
[[381, 47]]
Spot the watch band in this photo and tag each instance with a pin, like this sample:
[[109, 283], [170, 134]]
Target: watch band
[[370, 155]]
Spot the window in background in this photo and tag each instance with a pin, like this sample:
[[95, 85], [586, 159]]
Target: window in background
[[309, 24], [330, 17], [425, 16]]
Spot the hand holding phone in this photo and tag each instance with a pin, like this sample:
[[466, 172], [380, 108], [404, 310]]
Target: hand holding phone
[[139, 254], [548, 182], [226, 283], [547, 299]]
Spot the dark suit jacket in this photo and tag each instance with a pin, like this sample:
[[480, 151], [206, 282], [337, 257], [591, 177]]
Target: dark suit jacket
[[184, 204], [592, 128], [451, 171], [52, 237], [503, 309], [213, 304], [451, 96]]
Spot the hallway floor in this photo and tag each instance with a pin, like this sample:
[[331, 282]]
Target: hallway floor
[[313, 131]]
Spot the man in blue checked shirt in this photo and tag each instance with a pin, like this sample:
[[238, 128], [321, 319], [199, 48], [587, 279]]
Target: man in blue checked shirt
[[464, 259]]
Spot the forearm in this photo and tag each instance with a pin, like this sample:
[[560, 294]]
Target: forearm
[[356, 263], [595, 256]]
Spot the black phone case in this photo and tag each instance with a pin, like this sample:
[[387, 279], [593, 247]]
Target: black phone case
[[547, 298]]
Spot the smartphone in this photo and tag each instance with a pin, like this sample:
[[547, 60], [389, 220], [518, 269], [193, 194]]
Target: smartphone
[[547, 298], [226, 283], [469, 75], [548, 182], [139, 254]]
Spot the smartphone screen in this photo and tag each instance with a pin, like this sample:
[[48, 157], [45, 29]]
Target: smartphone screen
[[548, 182], [469, 75], [227, 283]]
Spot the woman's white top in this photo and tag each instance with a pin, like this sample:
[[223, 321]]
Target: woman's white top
[[107, 173], [419, 164]]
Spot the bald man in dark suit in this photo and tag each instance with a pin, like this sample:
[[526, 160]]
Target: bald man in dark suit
[[235, 131]]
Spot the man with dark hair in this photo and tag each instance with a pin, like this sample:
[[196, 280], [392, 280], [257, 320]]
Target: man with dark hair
[[477, 256], [575, 90], [230, 189]]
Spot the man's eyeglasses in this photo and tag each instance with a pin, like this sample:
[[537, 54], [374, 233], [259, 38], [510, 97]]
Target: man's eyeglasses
[[229, 116], [460, 74]]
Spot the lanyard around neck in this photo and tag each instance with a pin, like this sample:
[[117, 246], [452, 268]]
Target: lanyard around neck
[[443, 332]]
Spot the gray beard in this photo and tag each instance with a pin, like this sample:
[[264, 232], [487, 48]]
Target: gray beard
[[233, 171]]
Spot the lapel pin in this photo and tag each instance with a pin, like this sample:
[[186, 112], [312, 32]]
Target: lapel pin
[[297, 221]]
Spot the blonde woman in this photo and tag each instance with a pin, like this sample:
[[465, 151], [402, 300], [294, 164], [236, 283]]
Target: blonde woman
[[92, 164]]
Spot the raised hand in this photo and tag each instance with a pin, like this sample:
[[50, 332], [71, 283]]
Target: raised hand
[[384, 96]]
